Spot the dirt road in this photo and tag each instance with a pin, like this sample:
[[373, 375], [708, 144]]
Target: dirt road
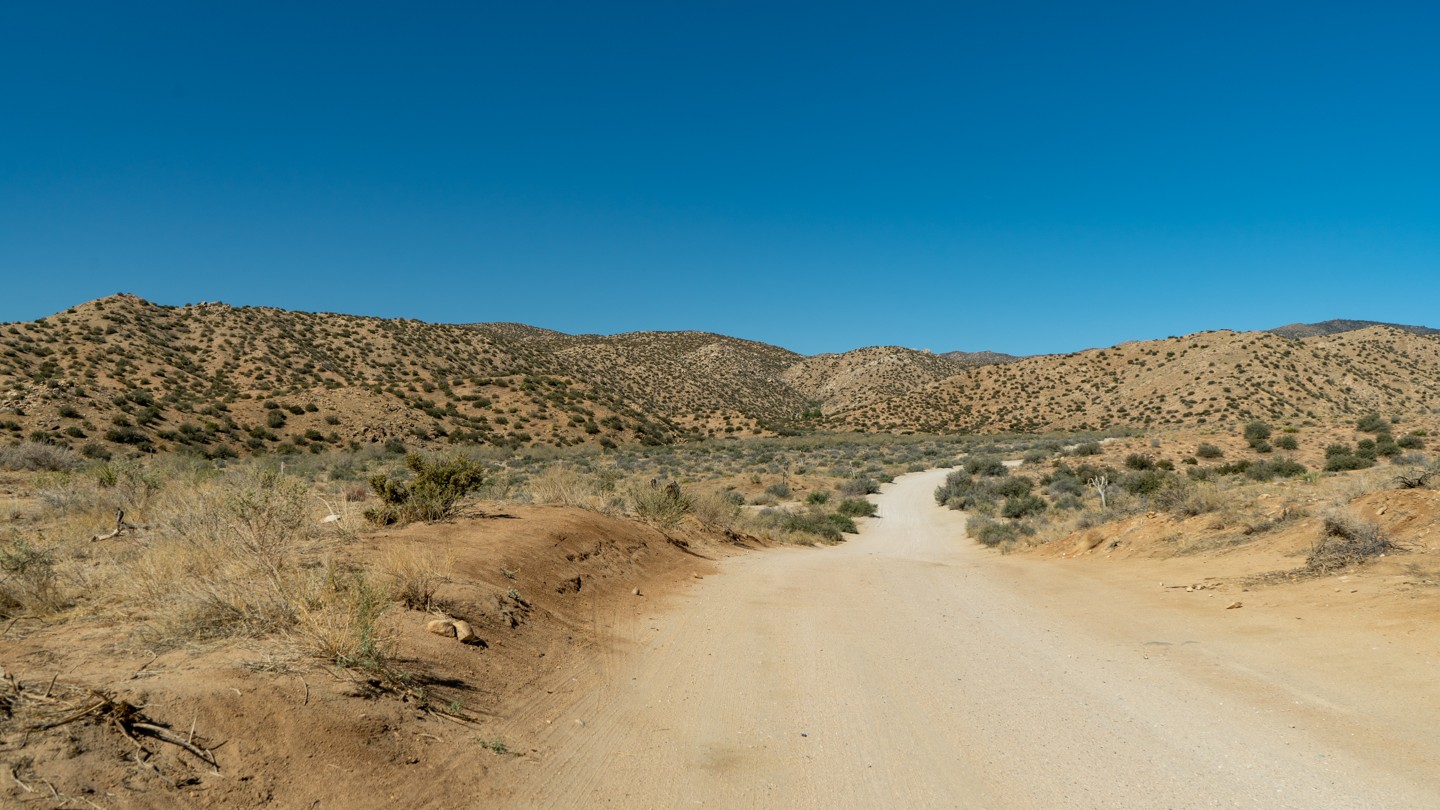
[[911, 668]]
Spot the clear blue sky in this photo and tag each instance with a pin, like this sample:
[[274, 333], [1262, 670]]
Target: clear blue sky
[[1024, 177]]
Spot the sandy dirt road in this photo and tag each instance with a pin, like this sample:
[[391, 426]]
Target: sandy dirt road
[[911, 668]]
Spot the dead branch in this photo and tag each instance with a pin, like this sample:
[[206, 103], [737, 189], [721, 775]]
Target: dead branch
[[1413, 482], [163, 735]]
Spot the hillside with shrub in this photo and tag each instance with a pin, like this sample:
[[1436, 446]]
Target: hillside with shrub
[[123, 375]]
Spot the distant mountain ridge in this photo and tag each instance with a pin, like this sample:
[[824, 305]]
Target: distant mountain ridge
[[1336, 326], [984, 358]]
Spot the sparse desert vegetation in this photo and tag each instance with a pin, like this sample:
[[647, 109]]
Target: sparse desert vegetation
[[419, 513]]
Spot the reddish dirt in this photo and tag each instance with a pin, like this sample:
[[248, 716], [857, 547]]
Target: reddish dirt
[[289, 731]]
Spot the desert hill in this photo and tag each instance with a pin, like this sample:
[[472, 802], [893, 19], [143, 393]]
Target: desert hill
[[1338, 325], [979, 358], [124, 373], [1205, 377]]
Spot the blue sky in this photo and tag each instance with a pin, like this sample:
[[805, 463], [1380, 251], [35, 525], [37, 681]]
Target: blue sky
[[1023, 177]]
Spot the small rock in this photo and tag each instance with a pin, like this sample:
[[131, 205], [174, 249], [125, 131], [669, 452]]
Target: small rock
[[636, 592], [464, 633], [442, 627], [696, 574], [1234, 605]]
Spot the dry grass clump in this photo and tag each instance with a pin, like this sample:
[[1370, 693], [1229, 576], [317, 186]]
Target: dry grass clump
[[37, 456], [562, 485], [28, 582], [1347, 541], [661, 507], [716, 510], [411, 576], [344, 624], [224, 560]]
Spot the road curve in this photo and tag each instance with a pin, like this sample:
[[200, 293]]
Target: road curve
[[911, 668]]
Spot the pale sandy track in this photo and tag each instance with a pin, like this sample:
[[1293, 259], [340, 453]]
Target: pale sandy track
[[910, 668]]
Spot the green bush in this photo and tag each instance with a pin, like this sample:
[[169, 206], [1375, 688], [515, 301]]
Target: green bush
[[1023, 506], [820, 497], [992, 532], [1277, 468], [1257, 431], [1011, 487], [986, 465], [1411, 441], [856, 507], [1372, 423], [1139, 461], [1145, 482], [1287, 442], [855, 487], [1086, 449], [1209, 451], [275, 419], [430, 494]]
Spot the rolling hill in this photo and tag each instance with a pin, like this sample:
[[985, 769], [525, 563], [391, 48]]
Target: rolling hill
[[122, 373]]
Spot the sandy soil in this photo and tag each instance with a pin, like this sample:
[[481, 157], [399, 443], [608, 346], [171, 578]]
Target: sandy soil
[[912, 668]]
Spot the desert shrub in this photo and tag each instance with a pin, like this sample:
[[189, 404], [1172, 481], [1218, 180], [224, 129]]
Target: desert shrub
[[130, 436], [963, 491], [820, 497], [1277, 468], [1144, 482], [856, 507], [779, 490], [717, 509], [95, 450], [29, 585], [1256, 432], [1010, 487], [992, 533], [1208, 451], [1372, 423], [275, 419], [830, 527], [663, 507], [1139, 461], [1064, 485], [36, 457], [1287, 442], [1086, 449], [431, 492], [1020, 506], [1345, 542], [857, 487], [1386, 446], [1188, 499], [1410, 441], [986, 465], [1236, 467], [1342, 457]]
